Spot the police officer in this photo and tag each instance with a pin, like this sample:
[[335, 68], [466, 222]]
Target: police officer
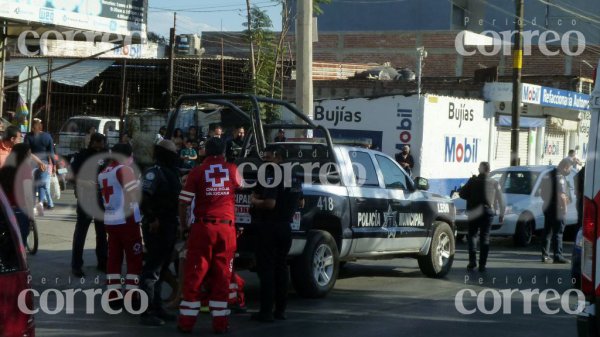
[[234, 146], [554, 192], [212, 241], [482, 194], [96, 146], [273, 210], [161, 186]]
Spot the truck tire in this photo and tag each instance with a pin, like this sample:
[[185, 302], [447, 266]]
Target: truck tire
[[315, 271], [524, 231], [438, 262]]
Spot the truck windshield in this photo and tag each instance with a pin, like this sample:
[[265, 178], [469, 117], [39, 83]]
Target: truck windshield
[[518, 182], [80, 125]]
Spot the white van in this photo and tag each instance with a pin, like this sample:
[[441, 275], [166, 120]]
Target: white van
[[72, 135], [588, 322]]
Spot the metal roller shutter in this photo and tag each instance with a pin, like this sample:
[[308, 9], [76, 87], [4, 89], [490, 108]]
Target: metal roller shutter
[[501, 156]]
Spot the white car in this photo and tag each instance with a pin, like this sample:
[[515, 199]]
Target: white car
[[524, 215]]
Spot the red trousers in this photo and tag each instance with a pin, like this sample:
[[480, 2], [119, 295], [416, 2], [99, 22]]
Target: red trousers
[[210, 251], [236, 291], [124, 240]]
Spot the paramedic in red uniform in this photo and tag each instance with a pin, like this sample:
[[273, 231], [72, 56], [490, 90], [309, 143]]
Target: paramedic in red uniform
[[212, 240], [122, 218]]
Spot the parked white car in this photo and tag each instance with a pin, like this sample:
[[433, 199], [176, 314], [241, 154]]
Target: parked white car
[[524, 215]]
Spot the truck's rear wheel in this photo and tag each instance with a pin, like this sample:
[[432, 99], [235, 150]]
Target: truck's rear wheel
[[314, 272], [438, 262]]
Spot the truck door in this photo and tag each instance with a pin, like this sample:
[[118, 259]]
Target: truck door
[[368, 204], [405, 215]]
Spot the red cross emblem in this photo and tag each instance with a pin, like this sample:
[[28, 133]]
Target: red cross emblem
[[107, 191], [216, 175]]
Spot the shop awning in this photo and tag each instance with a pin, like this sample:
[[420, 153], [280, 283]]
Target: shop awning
[[524, 122], [77, 75]]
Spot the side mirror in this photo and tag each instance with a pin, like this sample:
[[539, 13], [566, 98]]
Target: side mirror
[[421, 183]]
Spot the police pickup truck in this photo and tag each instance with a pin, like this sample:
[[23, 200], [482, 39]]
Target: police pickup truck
[[359, 203]]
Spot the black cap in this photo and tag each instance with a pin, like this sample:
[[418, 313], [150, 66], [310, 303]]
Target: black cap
[[215, 146], [124, 149]]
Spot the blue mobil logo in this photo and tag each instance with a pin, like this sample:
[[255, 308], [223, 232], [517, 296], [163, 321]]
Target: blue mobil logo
[[461, 149]]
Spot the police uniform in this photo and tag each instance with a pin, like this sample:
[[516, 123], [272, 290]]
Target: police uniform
[[212, 241], [161, 186], [84, 220], [553, 186], [482, 194], [274, 242], [122, 225]]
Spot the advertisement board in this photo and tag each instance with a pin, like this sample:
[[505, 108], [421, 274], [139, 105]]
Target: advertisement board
[[119, 17], [387, 122], [455, 140]]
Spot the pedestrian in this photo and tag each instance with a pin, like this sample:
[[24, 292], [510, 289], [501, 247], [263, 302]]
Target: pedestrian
[[280, 138], [273, 211], [161, 186], [42, 146], [17, 182], [405, 159], [482, 194], [188, 155], [178, 138], [234, 146], [215, 131], [193, 136], [86, 181], [212, 240], [554, 193], [88, 135], [118, 187], [579, 181], [160, 135], [572, 155], [13, 136]]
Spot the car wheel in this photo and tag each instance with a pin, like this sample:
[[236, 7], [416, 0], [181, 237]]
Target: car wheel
[[438, 262], [524, 231], [315, 271]]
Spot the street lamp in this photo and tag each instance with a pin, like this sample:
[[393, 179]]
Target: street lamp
[[422, 54]]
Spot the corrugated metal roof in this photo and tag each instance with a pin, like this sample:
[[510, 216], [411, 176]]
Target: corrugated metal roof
[[77, 75]]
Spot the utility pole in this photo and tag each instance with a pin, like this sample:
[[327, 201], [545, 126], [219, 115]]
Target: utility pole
[[422, 54], [252, 61], [516, 90], [171, 61], [304, 57]]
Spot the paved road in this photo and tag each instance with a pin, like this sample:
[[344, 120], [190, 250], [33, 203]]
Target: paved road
[[371, 298]]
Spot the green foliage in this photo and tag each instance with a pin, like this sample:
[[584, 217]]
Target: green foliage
[[317, 10]]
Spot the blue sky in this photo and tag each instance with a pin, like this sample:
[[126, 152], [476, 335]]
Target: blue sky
[[195, 16]]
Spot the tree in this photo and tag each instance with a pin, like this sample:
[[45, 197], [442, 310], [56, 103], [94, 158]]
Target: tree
[[155, 37], [317, 10]]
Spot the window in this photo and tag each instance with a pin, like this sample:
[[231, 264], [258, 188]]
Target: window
[[393, 177], [519, 182], [364, 170]]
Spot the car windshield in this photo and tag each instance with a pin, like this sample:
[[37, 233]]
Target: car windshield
[[517, 182]]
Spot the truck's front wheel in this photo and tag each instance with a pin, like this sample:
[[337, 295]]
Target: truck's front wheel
[[441, 253], [314, 272]]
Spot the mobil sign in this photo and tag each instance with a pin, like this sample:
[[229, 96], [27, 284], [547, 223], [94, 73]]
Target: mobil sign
[[461, 149], [456, 132]]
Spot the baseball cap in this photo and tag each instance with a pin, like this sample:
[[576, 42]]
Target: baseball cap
[[168, 145]]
